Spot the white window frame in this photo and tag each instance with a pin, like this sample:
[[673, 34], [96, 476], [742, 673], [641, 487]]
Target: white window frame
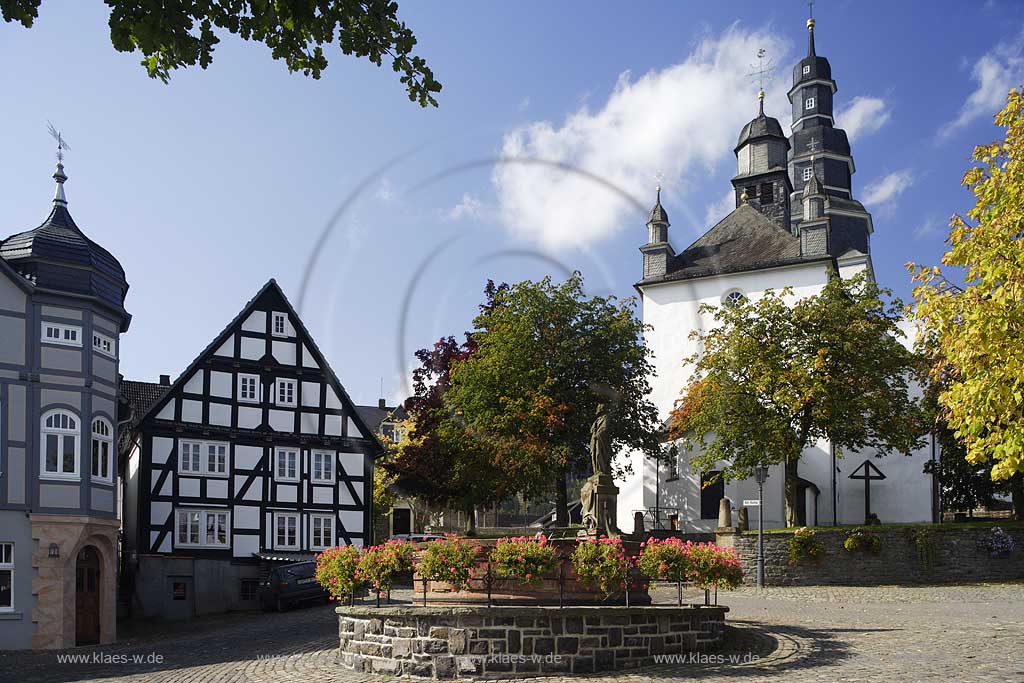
[[63, 332], [276, 317], [319, 463], [281, 384], [99, 440], [104, 345], [807, 69], [178, 543], [61, 433], [322, 518], [808, 103], [7, 565], [284, 451], [242, 397], [808, 173], [202, 520], [198, 470], [285, 516], [212, 471], [733, 297]]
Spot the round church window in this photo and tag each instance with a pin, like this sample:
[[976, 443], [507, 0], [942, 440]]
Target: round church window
[[733, 298]]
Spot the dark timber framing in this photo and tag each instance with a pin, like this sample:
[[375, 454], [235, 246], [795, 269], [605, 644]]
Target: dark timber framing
[[250, 482]]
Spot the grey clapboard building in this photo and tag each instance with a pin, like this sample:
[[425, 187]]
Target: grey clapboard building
[[61, 317], [254, 455]]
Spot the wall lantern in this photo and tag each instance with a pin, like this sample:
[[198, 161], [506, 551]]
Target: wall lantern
[[54, 551]]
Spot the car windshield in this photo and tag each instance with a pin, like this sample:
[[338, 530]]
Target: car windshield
[[300, 571]]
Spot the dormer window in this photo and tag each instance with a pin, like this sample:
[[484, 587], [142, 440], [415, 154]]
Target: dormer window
[[807, 69], [809, 103]]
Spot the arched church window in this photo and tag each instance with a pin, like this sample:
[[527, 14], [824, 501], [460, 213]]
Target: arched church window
[[734, 298]]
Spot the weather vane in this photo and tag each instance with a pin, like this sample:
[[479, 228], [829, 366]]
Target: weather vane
[[62, 144], [763, 69]]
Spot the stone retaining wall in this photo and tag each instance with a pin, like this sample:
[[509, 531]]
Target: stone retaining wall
[[502, 642], [959, 556]]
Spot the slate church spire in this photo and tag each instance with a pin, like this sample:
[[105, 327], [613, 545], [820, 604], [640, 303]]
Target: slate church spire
[[761, 179], [658, 252]]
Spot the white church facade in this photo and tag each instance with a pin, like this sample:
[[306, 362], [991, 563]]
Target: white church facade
[[795, 224]]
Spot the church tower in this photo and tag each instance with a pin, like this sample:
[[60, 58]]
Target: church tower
[[761, 179], [658, 253], [820, 152]]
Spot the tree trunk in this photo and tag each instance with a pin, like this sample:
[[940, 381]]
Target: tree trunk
[[1017, 495], [561, 498], [470, 521], [790, 468]]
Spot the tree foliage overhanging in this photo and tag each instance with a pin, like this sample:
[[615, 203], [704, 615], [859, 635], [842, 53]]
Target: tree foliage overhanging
[[974, 333], [172, 35], [777, 375]]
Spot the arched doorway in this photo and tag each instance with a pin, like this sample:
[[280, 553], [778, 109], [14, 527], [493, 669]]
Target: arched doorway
[[87, 596]]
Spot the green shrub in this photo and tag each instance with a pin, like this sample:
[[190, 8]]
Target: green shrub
[[862, 540], [336, 571], [526, 559], [924, 542], [451, 560], [805, 547]]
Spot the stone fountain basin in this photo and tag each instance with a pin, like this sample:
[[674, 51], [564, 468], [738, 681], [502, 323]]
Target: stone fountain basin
[[475, 641]]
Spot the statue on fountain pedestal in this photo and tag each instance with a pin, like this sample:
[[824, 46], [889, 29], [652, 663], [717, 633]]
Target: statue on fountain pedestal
[[599, 494]]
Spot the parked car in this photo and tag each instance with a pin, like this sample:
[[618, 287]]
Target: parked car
[[289, 585], [417, 538]]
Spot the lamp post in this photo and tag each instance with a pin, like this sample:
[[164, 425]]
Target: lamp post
[[760, 475]]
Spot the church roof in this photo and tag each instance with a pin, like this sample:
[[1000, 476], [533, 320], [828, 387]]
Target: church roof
[[744, 240], [760, 127]]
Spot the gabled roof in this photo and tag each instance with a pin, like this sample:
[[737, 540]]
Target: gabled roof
[[141, 396], [746, 239], [228, 330]]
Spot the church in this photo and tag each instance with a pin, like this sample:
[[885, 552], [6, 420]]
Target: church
[[796, 222]]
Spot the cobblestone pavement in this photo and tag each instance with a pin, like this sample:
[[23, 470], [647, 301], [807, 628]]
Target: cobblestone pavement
[[947, 633]]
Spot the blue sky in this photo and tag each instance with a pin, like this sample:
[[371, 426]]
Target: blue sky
[[207, 187]]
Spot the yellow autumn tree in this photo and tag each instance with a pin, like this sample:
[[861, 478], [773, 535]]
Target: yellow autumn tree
[[974, 332]]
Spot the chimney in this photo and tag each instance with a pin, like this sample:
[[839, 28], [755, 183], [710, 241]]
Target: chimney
[[381, 403], [165, 380]]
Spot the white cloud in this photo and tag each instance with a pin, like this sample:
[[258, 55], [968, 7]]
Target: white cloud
[[468, 207], [863, 116], [883, 192], [995, 73], [928, 227], [680, 121], [716, 211]]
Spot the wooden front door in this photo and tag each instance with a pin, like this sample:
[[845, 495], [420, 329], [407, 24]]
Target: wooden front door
[[87, 597]]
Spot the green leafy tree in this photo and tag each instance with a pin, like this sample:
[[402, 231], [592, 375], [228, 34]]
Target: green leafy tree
[[440, 461], [775, 377], [546, 355], [977, 327], [172, 35]]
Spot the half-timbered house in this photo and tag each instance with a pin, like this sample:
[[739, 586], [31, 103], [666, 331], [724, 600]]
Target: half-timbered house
[[254, 454]]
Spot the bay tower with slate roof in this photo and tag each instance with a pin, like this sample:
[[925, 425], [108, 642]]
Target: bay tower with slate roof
[[61, 318], [796, 223]]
